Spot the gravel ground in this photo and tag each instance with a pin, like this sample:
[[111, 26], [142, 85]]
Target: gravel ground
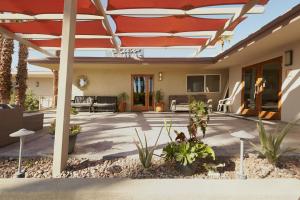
[[223, 168]]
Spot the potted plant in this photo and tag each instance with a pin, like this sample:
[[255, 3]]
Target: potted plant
[[75, 129], [122, 98], [159, 104]]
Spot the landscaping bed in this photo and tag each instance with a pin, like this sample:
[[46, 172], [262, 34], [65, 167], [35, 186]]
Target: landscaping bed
[[222, 168]]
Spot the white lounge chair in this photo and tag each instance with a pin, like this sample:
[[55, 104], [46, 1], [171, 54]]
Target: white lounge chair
[[225, 105]]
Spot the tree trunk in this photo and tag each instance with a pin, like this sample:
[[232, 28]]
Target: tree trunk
[[21, 76], [5, 70]]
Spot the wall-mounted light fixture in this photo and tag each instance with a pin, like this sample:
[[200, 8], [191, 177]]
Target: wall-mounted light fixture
[[160, 76], [288, 58], [37, 84]]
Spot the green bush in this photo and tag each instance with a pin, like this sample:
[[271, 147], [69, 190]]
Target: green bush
[[198, 117], [145, 152], [31, 102], [270, 143], [75, 129], [185, 150], [74, 111]]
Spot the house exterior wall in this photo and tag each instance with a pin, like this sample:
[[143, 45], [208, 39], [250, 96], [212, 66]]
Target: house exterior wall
[[40, 86], [290, 109], [116, 79]]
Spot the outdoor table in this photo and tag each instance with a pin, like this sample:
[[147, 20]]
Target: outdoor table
[[243, 136], [22, 133]]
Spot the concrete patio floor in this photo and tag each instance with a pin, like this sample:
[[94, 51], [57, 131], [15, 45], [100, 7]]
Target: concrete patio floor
[[110, 135]]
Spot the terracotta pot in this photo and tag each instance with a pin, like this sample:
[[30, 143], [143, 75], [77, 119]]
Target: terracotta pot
[[122, 107], [159, 107]]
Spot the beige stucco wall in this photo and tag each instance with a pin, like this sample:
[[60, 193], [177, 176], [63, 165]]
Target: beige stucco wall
[[45, 86], [114, 79], [290, 77]]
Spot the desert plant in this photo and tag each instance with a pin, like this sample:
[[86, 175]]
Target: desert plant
[[158, 96], [21, 76], [123, 97], [198, 117], [31, 102], [270, 143], [145, 152], [75, 129], [74, 111], [185, 150]]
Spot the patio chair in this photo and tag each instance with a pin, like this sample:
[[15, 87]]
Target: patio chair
[[105, 103], [225, 105]]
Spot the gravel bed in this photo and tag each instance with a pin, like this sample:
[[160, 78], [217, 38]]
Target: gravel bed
[[223, 168]]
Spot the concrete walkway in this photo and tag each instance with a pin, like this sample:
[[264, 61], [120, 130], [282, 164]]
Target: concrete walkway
[[149, 189], [111, 134]]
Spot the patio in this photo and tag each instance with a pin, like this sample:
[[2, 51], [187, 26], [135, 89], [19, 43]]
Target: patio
[[110, 135]]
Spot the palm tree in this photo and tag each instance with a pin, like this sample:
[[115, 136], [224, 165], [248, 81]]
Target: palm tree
[[5, 70], [21, 76]]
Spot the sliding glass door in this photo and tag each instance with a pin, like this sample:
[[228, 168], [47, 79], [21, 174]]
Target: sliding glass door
[[142, 92], [261, 93]]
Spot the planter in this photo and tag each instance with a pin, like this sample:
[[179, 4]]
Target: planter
[[122, 106], [159, 107], [72, 142]]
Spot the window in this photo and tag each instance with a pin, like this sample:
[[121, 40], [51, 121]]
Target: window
[[212, 83], [195, 83], [203, 83]]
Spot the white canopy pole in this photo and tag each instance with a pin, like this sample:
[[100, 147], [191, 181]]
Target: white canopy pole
[[64, 88]]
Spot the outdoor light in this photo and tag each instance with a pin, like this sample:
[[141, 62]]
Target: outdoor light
[[22, 133], [160, 76], [37, 84], [288, 58], [243, 136]]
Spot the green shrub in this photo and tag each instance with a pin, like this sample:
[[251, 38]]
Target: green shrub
[[158, 96], [31, 102], [123, 97], [198, 117], [75, 129], [74, 111], [270, 143], [145, 152], [185, 150]]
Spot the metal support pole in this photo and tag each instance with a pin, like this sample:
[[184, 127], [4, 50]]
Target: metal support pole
[[241, 173], [20, 155]]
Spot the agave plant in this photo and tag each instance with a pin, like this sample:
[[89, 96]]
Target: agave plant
[[145, 152], [270, 144]]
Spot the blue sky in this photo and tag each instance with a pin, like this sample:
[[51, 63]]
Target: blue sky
[[273, 9]]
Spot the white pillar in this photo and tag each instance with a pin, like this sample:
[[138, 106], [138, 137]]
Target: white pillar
[[60, 154]]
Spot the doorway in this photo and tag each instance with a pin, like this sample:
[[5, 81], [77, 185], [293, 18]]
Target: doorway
[[142, 92], [261, 94]]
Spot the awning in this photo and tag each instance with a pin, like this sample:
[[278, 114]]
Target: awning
[[52, 27], [172, 4], [161, 41], [35, 7], [79, 43], [173, 24]]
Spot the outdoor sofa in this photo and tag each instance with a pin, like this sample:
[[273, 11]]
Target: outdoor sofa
[[105, 104], [83, 103], [181, 102], [95, 103]]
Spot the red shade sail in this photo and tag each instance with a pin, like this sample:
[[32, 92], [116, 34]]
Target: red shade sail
[[172, 4], [79, 43], [34, 7], [161, 41], [94, 27], [173, 24]]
